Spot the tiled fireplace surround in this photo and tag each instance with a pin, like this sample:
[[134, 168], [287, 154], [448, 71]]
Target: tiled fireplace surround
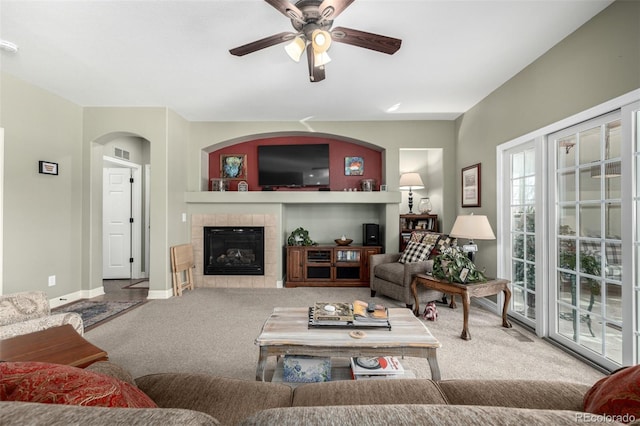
[[271, 247]]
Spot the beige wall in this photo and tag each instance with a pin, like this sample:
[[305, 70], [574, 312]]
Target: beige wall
[[163, 129], [42, 213], [598, 62]]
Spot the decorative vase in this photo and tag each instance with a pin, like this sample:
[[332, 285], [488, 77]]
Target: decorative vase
[[425, 206]]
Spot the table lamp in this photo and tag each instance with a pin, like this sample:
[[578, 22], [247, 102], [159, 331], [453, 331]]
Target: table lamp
[[472, 227], [410, 181]]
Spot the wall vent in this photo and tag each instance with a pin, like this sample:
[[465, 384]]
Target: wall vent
[[121, 153]]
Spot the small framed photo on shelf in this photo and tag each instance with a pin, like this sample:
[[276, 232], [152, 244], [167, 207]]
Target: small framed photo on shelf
[[233, 166], [48, 168], [353, 166], [471, 186]]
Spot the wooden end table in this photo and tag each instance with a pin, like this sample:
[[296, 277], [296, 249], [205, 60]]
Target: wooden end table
[[466, 291], [57, 345]]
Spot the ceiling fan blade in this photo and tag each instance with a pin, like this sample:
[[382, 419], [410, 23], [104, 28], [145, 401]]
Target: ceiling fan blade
[[380, 43], [329, 9], [262, 43], [287, 9], [316, 74]]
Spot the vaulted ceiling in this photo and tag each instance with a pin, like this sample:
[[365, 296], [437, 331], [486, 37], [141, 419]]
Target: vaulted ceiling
[[176, 54]]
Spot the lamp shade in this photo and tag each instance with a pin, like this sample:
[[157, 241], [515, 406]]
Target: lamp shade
[[321, 40], [295, 48], [472, 227], [411, 181]]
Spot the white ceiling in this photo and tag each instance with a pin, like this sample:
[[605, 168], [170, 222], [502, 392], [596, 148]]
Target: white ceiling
[[176, 54]]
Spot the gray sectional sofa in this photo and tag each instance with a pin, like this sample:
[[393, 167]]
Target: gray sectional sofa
[[198, 399]]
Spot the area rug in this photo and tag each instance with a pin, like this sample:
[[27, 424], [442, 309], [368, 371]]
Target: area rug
[[96, 313]]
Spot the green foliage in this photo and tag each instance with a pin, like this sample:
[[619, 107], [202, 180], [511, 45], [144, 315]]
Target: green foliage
[[300, 237], [449, 264]]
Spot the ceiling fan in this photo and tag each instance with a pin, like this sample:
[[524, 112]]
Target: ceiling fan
[[312, 20]]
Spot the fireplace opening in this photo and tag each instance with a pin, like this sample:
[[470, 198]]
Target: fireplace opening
[[233, 250]]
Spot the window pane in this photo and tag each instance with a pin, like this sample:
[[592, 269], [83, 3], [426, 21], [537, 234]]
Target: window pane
[[517, 242], [612, 184], [566, 152], [567, 186], [613, 138], [590, 220], [517, 219], [614, 302], [530, 190], [613, 268], [531, 248], [589, 187], [613, 220], [531, 219], [567, 221], [529, 162], [516, 191], [517, 164], [590, 145]]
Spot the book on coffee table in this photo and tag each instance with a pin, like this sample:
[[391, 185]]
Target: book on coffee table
[[349, 315], [376, 367]]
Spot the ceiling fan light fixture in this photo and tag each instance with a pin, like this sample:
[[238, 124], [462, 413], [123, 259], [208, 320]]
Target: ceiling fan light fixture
[[321, 59], [295, 48], [321, 40]]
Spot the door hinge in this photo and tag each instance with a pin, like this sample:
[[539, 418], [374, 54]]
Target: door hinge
[[131, 260], [131, 180], [130, 220]]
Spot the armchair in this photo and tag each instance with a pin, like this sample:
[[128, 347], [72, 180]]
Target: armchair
[[393, 279], [27, 312]]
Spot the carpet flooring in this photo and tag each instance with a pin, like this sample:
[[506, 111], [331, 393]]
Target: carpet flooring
[[95, 313], [213, 331]]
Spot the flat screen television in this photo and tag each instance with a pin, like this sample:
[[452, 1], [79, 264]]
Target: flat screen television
[[293, 165]]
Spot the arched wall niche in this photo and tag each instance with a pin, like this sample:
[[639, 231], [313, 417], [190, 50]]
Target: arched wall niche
[[339, 148]]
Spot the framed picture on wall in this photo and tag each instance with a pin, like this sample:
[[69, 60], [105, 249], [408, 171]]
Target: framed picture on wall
[[353, 166], [471, 186], [233, 166]]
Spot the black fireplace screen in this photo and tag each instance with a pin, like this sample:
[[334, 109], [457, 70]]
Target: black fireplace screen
[[233, 250]]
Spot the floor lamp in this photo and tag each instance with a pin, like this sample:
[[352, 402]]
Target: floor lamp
[[410, 181], [472, 227]]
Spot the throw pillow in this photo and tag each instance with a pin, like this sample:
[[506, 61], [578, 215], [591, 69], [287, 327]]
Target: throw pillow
[[443, 243], [416, 237], [617, 395], [414, 252], [62, 384]]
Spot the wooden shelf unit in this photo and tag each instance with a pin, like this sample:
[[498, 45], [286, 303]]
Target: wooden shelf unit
[[329, 266], [416, 222]]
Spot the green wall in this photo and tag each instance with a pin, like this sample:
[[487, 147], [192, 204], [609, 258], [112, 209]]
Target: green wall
[[598, 62], [42, 213]]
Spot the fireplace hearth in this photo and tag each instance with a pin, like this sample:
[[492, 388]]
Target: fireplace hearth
[[233, 250]]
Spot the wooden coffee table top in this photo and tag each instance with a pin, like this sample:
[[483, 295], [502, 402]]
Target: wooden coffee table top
[[57, 345], [290, 326]]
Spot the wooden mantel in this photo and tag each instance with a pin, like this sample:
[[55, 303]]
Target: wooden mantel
[[294, 197]]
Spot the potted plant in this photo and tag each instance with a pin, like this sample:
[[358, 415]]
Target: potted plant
[[451, 265]]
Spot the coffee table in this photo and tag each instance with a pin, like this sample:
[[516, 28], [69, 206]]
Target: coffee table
[[57, 345], [286, 332], [466, 291]]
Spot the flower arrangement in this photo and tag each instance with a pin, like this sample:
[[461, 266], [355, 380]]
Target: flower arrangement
[[451, 265]]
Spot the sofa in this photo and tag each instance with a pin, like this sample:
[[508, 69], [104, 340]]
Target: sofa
[[29, 311], [199, 399], [391, 274]]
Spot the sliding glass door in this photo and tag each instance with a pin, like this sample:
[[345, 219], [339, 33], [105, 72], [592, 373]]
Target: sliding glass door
[[586, 230], [568, 234], [519, 166]]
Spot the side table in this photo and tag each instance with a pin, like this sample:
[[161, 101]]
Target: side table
[[466, 291]]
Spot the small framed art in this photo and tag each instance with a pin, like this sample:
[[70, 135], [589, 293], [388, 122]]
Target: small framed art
[[48, 168], [471, 186], [233, 166], [353, 166]]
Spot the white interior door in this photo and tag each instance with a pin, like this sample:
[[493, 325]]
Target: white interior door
[[116, 250]]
